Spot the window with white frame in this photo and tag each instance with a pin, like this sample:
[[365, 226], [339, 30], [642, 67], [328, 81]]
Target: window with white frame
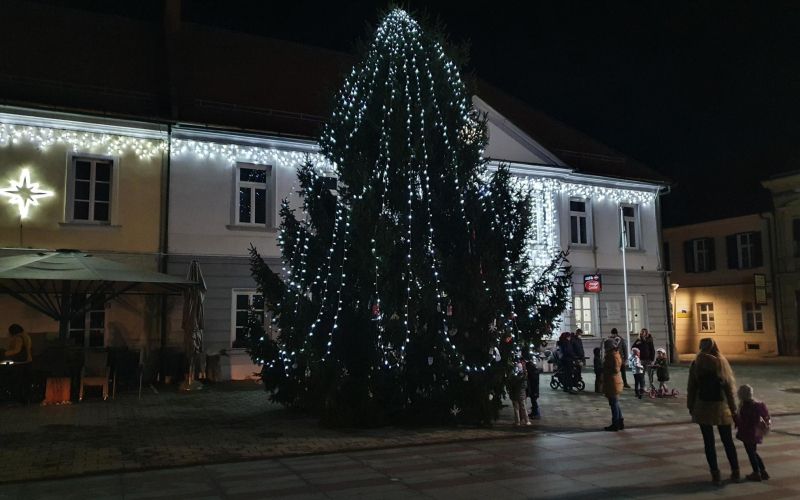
[[703, 255], [706, 315], [579, 221], [583, 311], [244, 301], [637, 313], [753, 317], [89, 329], [252, 194], [744, 250], [630, 225], [89, 189]]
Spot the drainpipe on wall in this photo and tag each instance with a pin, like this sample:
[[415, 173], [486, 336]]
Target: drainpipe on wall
[[665, 277], [164, 249], [773, 264]]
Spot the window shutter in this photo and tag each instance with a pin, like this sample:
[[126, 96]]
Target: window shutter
[[688, 256], [758, 254], [733, 252], [712, 254]]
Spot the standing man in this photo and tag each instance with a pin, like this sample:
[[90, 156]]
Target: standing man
[[622, 347], [647, 353]]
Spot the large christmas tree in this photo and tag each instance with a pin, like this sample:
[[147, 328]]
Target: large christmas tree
[[407, 286]]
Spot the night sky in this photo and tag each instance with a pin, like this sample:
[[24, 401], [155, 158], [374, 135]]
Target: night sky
[[707, 93]]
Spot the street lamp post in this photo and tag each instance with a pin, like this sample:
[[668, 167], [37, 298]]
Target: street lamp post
[[674, 332]]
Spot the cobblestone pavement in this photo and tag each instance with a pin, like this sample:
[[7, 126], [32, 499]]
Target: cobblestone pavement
[[650, 463], [232, 423]]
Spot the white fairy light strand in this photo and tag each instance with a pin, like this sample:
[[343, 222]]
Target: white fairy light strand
[[79, 141]]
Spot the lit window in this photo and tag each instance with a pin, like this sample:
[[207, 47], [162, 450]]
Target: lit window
[[583, 309], [89, 329], [630, 226], [753, 317], [244, 301], [252, 193], [90, 187], [579, 221], [706, 313]]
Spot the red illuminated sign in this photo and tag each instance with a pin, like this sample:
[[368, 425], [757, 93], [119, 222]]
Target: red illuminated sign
[[592, 283]]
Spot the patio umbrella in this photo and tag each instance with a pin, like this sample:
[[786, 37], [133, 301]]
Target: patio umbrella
[[193, 319], [63, 284]]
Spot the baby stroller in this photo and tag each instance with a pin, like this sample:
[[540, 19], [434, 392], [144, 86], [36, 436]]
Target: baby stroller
[[559, 377]]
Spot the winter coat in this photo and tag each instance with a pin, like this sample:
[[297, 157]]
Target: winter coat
[[518, 382], [577, 348], [635, 362], [647, 350], [662, 369], [567, 353], [533, 379], [708, 403], [612, 380], [598, 365], [748, 417]]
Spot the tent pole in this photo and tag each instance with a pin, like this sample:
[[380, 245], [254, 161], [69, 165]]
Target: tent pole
[[66, 311]]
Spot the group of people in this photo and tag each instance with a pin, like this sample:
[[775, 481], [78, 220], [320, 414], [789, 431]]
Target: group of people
[[710, 401], [644, 359]]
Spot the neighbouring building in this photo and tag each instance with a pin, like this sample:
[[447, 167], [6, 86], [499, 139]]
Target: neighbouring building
[[96, 185], [238, 112], [785, 239], [722, 272]]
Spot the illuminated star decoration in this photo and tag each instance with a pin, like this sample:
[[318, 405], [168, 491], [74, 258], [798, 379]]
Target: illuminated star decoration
[[24, 193]]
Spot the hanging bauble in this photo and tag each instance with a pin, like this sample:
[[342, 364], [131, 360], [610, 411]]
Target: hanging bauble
[[294, 366], [376, 310], [453, 332], [430, 360], [491, 396], [507, 340], [449, 309], [466, 378], [496, 353]]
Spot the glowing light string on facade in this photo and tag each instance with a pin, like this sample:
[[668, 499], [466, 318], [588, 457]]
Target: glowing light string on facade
[[79, 141]]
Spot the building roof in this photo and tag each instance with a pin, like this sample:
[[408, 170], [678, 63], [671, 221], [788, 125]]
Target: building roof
[[182, 72]]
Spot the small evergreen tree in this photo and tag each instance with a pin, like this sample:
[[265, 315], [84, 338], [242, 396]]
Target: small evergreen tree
[[407, 285]]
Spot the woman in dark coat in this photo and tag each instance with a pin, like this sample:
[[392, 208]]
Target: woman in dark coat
[[711, 403]]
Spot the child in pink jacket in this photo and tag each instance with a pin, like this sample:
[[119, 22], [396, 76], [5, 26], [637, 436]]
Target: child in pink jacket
[[752, 421]]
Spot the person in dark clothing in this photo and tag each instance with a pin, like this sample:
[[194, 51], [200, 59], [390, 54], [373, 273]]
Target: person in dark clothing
[[647, 353], [567, 361], [533, 386], [622, 347], [580, 357], [598, 370]]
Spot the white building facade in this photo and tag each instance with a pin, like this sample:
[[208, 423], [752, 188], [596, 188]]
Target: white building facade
[[225, 191]]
